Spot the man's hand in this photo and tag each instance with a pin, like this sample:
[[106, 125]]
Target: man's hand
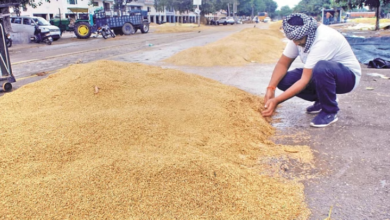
[[270, 94], [270, 107]]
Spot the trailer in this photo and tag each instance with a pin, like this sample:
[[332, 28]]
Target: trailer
[[126, 24]]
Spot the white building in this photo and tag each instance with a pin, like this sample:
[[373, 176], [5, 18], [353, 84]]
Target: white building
[[73, 8]]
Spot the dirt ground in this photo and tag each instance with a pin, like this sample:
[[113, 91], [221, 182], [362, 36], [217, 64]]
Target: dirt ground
[[352, 156]]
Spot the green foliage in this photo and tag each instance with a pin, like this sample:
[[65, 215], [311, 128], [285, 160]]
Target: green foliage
[[312, 7], [208, 6], [32, 3], [284, 11], [270, 8], [247, 6], [372, 4], [386, 8]]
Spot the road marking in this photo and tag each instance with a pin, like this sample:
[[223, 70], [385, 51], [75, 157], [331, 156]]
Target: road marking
[[85, 51], [35, 75], [23, 78], [24, 61]]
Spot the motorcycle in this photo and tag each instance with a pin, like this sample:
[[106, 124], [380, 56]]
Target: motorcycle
[[42, 35], [106, 31], [8, 40]]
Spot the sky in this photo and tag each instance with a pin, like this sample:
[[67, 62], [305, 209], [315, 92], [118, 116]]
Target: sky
[[290, 3]]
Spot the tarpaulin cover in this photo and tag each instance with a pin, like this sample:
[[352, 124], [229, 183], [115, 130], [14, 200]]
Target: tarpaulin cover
[[379, 64], [367, 49]]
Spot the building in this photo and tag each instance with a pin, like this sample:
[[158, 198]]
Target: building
[[362, 15], [75, 8], [63, 8]]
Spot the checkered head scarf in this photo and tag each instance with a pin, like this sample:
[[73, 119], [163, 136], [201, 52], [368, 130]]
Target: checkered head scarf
[[296, 32]]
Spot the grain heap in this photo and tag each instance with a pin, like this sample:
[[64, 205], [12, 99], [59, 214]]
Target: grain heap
[[109, 140], [178, 27], [247, 46], [370, 20]]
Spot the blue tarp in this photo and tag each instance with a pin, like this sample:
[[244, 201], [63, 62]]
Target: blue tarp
[[367, 49]]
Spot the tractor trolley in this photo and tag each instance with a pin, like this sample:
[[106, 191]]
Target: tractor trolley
[[126, 24]]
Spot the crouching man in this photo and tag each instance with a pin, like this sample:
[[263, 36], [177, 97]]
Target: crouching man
[[330, 68]]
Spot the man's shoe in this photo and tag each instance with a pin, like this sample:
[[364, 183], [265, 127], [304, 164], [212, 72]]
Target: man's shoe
[[315, 108], [323, 119]]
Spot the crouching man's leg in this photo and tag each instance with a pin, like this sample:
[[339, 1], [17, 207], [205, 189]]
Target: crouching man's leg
[[330, 78], [308, 94]]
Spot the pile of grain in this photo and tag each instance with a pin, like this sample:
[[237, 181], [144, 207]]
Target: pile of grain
[[112, 140], [246, 46], [178, 27], [369, 20]]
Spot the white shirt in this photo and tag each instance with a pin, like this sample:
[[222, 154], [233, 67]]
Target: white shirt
[[328, 45]]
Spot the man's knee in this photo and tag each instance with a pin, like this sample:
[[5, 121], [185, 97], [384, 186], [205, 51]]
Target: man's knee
[[289, 79], [283, 84], [320, 68], [281, 87]]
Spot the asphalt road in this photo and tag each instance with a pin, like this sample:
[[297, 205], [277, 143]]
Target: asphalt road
[[352, 156]]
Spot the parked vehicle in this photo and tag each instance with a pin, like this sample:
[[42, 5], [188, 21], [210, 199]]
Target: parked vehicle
[[225, 21], [63, 24], [41, 36], [126, 24], [27, 24], [267, 19], [8, 40], [106, 31], [262, 15]]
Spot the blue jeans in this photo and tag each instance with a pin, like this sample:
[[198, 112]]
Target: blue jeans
[[328, 79]]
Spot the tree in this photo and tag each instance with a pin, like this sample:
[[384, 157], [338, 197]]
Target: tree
[[284, 11], [372, 4], [208, 6], [385, 9], [4, 11], [252, 7], [312, 7], [32, 3], [270, 7], [245, 7]]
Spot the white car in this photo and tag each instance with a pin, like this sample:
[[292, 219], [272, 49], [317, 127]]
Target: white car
[[27, 24], [267, 19], [225, 21]]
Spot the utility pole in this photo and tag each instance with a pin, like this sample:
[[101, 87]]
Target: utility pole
[[197, 11], [234, 9]]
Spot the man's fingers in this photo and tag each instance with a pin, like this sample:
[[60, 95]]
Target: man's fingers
[[266, 112]]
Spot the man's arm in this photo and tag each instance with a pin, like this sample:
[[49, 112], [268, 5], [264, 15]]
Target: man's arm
[[280, 70], [298, 86]]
